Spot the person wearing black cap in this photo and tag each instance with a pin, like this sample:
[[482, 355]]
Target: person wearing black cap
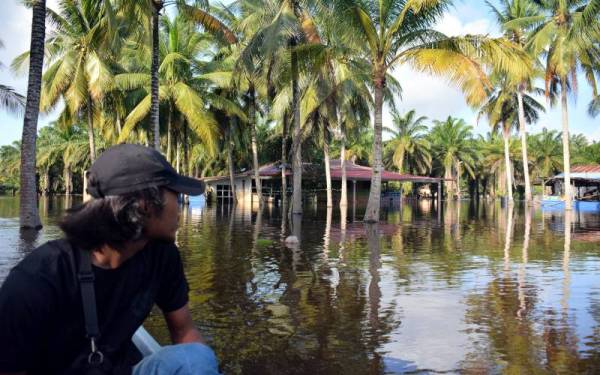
[[72, 305]]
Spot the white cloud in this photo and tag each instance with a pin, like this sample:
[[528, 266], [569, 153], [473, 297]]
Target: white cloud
[[451, 25], [15, 33], [433, 96]]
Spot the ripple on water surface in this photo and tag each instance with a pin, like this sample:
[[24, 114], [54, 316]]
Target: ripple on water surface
[[473, 289]]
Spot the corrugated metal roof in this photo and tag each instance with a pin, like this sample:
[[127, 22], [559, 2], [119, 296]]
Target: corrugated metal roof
[[353, 172], [586, 169], [362, 173], [583, 172]]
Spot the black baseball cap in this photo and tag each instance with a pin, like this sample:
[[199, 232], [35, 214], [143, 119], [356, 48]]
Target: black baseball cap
[[127, 168]]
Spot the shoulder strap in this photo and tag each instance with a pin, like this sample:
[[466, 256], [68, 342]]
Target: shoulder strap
[[88, 298], [88, 295]]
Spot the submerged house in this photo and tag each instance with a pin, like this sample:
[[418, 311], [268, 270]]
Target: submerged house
[[585, 180], [313, 180]]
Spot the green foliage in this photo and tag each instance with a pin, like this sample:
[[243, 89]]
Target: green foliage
[[215, 61]]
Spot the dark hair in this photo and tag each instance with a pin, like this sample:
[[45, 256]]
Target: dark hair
[[111, 220]]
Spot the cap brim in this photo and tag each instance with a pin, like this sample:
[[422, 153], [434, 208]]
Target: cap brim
[[187, 185]]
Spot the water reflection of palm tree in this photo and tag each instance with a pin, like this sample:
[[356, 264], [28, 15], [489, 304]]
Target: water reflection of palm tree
[[374, 293], [327, 234], [508, 236], [564, 302], [525, 257]]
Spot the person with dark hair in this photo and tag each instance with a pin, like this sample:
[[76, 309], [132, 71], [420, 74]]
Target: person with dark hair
[[73, 305]]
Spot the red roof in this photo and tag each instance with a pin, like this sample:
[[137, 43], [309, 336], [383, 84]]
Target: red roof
[[362, 173], [585, 169], [353, 172]]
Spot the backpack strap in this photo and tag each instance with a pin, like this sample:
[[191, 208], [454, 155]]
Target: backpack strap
[[88, 298]]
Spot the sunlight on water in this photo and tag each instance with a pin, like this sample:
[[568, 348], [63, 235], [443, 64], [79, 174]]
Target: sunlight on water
[[471, 289]]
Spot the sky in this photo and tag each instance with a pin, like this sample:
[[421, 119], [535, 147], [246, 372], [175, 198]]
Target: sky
[[429, 96]]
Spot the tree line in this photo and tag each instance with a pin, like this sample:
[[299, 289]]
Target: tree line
[[416, 146], [212, 85]]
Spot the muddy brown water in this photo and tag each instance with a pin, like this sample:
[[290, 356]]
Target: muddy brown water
[[473, 289]]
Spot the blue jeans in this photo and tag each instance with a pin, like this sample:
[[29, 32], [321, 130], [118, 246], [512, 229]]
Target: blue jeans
[[182, 359]]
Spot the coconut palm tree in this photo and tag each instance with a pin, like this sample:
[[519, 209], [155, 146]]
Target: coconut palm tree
[[453, 147], [565, 34], [235, 73], [10, 100], [493, 149], [28, 207], [81, 53], [180, 89], [285, 26], [409, 148], [398, 32], [511, 10], [594, 107], [10, 159], [546, 151], [504, 109]]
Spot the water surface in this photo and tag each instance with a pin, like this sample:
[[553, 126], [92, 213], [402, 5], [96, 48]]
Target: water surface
[[472, 289]]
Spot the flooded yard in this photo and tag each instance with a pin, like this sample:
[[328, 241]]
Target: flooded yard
[[473, 288]]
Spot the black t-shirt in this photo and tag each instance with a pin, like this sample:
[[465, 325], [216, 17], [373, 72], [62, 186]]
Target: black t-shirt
[[41, 315]]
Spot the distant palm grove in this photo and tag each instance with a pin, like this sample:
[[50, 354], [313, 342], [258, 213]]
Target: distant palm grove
[[224, 88]]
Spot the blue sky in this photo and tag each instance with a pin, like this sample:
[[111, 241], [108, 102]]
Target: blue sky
[[431, 97]]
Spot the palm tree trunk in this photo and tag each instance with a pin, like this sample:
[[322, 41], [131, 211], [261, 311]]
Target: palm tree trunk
[[327, 167], [284, 164], [177, 155], [255, 166], [28, 208], [230, 164], [565, 142], [68, 180], [344, 193], [46, 182], [523, 132], [119, 127], [154, 115], [169, 130], [91, 138], [296, 135], [185, 165], [457, 180], [372, 213], [448, 181], [401, 161], [506, 137]]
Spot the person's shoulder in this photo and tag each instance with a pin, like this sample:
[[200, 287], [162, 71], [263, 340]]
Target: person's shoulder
[[48, 259], [163, 250], [158, 245]]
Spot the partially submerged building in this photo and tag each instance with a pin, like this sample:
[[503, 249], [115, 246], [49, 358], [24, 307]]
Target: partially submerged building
[[313, 180], [585, 180]]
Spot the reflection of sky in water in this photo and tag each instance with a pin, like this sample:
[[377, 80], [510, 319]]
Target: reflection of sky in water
[[436, 277]]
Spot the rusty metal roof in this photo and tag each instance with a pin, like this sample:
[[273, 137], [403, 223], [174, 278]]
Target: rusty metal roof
[[582, 172], [362, 173], [586, 169], [353, 172]]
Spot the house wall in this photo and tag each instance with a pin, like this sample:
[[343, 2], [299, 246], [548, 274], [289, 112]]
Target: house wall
[[243, 189]]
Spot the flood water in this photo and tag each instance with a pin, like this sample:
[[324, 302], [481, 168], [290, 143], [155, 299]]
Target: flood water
[[473, 289]]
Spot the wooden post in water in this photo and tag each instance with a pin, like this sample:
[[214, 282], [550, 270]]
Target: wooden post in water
[[86, 196], [439, 200], [353, 200]]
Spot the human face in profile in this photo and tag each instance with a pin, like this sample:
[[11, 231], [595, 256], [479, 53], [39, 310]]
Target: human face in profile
[[163, 224]]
